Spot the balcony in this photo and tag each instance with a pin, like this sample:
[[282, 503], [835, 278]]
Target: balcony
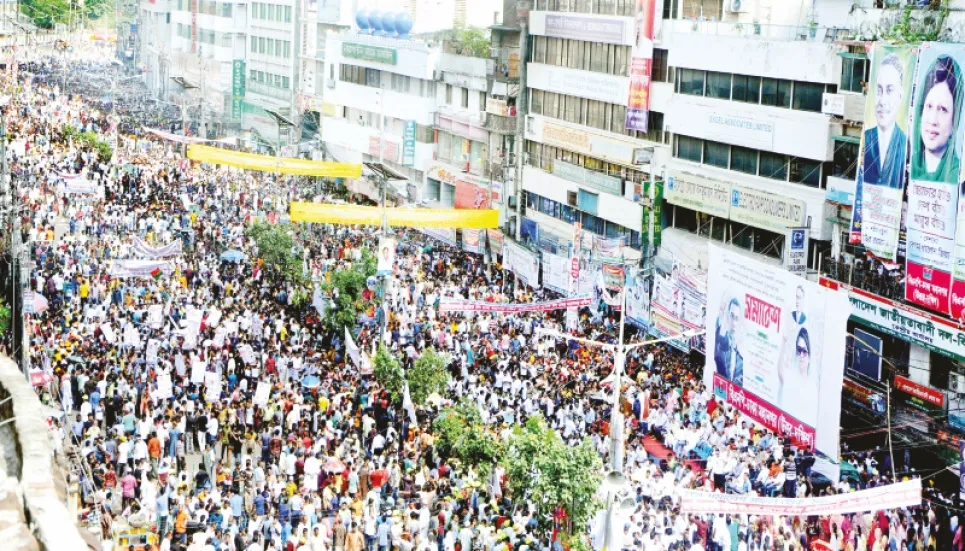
[[868, 275], [500, 124], [506, 64], [754, 31]]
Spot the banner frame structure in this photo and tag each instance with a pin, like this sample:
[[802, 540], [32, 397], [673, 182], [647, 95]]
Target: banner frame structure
[[267, 163], [329, 213]]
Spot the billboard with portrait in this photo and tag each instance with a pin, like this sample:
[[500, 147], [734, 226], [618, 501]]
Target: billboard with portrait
[[679, 305], [386, 258], [935, 173], [776, 348], [876, 216]]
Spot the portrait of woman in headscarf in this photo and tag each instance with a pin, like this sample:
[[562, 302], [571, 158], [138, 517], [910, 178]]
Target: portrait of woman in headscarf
[[934, 158]]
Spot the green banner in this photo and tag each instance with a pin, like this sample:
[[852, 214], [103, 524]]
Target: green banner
[[653, 212], [237, 88], [364, 52]]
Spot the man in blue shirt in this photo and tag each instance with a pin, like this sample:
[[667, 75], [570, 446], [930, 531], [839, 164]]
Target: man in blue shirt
[[237, 508]]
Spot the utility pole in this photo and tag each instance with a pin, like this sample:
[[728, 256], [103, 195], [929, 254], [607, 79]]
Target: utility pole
[[522, 108]]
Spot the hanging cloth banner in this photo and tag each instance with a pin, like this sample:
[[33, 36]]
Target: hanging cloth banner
[[267, 163], [75, 184], [178, 138], [892, 496], [447, 305], [141, 248], [398, 217], [140, 268]]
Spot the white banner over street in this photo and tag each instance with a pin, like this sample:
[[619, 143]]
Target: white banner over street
[[892, 496], [521, 262]]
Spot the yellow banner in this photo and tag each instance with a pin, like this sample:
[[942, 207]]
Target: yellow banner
[[403, 217], [267, 163]]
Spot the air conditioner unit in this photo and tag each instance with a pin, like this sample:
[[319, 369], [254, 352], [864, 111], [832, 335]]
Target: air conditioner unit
[[956, 383], [330, 83]]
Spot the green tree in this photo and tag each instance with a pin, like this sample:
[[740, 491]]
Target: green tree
[[427, 375], [350, 283], [541, 469], [471, 41], [277, 247], [388, 373], [460, 433]]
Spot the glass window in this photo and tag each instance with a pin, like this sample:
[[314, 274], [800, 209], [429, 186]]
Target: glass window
[[806, 171], [807, 96], [654, 127], [288, 14], [445, 143], [432, 189], [660, 65], [225, 10], [743, 159], [845, 160], [271, 12], [689, 148], [773, 165], [718, 85], [747, 89], [587, 201], [690, 82], [854, 72], [717, 154], [776, 92]]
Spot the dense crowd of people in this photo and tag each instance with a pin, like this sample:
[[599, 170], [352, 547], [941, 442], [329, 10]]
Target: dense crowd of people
[[157, 375]]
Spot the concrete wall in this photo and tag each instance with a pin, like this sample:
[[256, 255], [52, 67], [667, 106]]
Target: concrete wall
[[44, 522]]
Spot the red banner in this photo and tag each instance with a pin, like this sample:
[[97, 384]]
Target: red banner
[[765, 414], [469, 196], [928, 287], [931, 395], [458, 305]]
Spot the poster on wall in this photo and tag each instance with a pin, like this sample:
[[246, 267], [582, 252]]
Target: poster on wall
[[641, 64], [775, 349], [555, 273], [935, 172], [470, 196], [876, 216], [472, 240], [638, 303], [679, 305]]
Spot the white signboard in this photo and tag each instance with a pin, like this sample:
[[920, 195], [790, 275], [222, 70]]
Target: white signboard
[[261, 394], [521, 262], [164, 388]]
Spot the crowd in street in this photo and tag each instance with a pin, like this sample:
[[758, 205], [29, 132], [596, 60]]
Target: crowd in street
[[336, 465]]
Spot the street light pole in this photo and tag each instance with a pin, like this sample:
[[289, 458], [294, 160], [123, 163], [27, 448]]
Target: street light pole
[[615, 478]]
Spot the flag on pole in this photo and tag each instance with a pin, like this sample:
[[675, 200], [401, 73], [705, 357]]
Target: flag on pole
[[156, 273], [352, 349], [408, 406]]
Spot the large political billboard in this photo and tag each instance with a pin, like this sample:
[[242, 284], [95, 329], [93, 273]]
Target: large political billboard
[[776, 348], [935, 174], [679, 305], [876, 216]]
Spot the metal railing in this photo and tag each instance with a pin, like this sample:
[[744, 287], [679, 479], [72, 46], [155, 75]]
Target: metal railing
[[884, 283], [760, 31]]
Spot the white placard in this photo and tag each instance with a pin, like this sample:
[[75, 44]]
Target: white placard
[[164, 388], [197, 371], [108, 333], [212, 386], [261, 394]]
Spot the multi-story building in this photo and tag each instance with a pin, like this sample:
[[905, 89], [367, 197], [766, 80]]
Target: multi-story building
[[272, 66], [376, 87]]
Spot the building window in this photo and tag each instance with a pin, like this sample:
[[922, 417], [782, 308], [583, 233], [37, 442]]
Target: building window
[[654, 128], [587, 201], [776, 92], [773, 165], [464, 101], [226, 10], [718, 85], [854, 73], [661, 69], [717, 154], [689, 148], [747, 89], [805, 171], [845, 160], [743, 159], [433, 190], [807, 96], [690, 82]]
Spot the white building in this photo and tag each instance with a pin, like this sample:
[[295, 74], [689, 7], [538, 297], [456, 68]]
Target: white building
[[370, 77]]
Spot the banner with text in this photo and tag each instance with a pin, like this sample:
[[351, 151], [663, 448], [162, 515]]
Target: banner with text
[[458, 305], [521, 262], [641, 65], [778, 345], [891, 496], [936, 150], [876, 216]]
